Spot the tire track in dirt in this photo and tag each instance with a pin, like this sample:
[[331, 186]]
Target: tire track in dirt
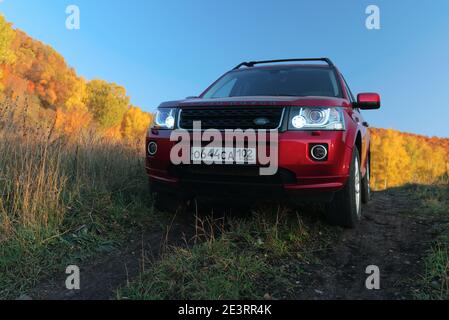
[[388, 238]]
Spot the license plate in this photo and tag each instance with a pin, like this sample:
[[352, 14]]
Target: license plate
[[223, 155]]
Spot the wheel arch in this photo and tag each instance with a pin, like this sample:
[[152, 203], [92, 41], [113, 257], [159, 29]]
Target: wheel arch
[[358, 143]]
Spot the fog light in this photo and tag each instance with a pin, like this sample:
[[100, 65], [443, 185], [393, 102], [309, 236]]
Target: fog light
[[152, 148], [319, 152]]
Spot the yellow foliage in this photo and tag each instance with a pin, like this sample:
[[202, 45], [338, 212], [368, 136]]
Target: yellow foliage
[[107, 102], [76, 100], [6, 38], [135, 124], [400, 158]]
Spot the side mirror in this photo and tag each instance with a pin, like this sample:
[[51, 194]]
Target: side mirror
[[368, 101]]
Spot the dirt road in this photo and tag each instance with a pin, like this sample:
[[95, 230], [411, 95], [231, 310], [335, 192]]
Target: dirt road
[[387, 238]]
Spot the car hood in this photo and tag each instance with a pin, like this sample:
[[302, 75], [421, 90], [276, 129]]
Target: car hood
[[258, 101]]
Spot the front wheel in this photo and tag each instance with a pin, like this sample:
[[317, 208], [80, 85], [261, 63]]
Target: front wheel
[[345, 210], [366, 188]]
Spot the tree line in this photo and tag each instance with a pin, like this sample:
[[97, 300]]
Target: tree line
[[399, 158]]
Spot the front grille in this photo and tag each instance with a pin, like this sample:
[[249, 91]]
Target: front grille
[[232, 117], [230, 174]]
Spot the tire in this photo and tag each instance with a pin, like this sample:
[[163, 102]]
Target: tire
[[366, 188], [345, 210]]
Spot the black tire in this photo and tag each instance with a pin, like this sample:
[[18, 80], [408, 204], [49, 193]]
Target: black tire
[[366, 188], [345, 210]]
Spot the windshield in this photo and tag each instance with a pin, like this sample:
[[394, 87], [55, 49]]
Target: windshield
[[289, 81]]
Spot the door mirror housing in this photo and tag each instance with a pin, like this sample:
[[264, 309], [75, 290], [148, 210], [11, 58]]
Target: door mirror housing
[[368, 101]]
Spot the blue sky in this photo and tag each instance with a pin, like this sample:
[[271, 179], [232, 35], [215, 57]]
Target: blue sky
[[166, 50]]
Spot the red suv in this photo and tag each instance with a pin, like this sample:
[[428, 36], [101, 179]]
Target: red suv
[[322, 142]]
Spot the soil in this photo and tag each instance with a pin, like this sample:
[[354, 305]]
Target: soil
[[387, 237], [101, 277]]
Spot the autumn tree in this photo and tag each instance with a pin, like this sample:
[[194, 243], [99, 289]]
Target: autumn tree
[[76, 99], [6, 39], [399, 158], [41, 70], [135, 124], [107, 102], [390, 159], [6, 54]]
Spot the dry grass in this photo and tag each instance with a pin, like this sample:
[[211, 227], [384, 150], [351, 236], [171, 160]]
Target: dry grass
[[43, 174], [52, 185]]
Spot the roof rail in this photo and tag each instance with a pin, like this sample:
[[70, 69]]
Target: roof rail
[[251, 64]]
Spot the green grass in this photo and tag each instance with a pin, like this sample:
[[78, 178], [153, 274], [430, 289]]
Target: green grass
[[435, 281], [211, 270], [251, 258], [437, 269], [434, 199]]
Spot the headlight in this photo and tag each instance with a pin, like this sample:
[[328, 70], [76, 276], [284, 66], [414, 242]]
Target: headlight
[[164, 119], [316, 118]]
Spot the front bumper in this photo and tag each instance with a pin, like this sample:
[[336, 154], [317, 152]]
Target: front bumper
[[298, 174]]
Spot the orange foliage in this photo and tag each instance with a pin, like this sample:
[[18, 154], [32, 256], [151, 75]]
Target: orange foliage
[[34, 73], [71, 123], [135, 124], [51, 79], [113, 133]]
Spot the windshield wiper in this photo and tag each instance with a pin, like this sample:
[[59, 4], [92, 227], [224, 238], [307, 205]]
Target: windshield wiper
[[286, 95]]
